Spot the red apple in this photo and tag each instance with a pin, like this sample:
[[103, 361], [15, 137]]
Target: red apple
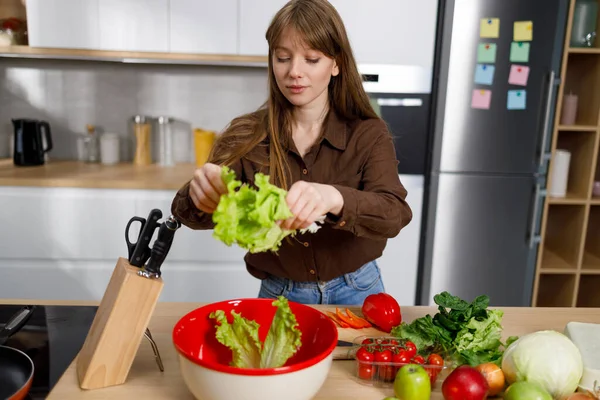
[[465, 383]]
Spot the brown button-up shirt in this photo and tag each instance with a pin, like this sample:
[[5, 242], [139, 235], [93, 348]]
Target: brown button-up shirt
[[356, 157]]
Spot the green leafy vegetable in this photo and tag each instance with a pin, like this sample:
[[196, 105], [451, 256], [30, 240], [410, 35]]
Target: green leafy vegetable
[[248, 217], [283, 339], [469, 333], [241, 336]]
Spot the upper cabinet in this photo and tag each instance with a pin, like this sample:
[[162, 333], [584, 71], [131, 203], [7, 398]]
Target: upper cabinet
[[255, 17], [133, 25], [399, 32], [63, 23], [393, 32], [204, 26]]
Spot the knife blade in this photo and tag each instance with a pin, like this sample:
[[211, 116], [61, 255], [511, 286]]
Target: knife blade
[[142, 250], [161, 247]]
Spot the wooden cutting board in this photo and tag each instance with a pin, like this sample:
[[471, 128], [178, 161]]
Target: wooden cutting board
[[349, 334]]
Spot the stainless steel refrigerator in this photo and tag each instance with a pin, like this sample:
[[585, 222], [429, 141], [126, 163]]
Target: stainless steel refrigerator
[[495, 81]]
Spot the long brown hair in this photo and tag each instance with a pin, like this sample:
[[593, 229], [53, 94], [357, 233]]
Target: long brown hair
[[320, 26]]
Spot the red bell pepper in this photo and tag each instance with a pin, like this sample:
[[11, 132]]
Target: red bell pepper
[[354, 323], [382, 310], [337, 320]]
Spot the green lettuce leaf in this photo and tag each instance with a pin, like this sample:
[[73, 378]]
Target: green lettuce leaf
[[248, 217], [479, 340], [241, 336], [284, 337]]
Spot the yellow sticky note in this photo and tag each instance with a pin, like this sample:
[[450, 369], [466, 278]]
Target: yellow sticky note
[[523, 31], [489, 27]]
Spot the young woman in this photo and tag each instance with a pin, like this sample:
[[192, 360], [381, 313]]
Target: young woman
[[318, 137]]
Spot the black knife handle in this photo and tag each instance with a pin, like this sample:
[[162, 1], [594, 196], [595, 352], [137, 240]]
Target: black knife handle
[[162, 245], [141, 253]]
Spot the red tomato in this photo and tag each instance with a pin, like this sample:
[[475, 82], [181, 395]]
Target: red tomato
[[383, 356], [435, 359], [401, 357], [382, 310], [364, 355], [418, 359], [433, 373], [366, 371], [368, 341], [385, 370], [411, 347]]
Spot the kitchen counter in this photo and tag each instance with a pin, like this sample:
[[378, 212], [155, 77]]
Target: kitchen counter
[[146, 381], [78, 174]]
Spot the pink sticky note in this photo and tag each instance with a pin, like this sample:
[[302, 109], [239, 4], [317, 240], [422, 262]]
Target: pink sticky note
[[518, 75], [481, 99]]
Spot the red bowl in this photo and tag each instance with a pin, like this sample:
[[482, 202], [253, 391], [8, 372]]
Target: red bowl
[[194, 335]]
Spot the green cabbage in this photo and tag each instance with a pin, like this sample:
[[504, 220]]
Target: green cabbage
[[248, 217], [547, 358]]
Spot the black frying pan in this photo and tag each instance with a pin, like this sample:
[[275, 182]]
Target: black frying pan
[[16, 368]]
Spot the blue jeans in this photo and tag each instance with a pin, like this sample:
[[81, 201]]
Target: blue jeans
[[348, 289]]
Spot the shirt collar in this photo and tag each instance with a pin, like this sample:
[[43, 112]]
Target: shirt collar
[[336, 131]]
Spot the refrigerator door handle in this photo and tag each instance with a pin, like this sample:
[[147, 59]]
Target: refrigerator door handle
[[545, 156], [539, 194]]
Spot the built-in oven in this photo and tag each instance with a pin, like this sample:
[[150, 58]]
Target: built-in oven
[[401, 95]]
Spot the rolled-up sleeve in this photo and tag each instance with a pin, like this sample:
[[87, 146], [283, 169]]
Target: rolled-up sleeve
[[379, 209]]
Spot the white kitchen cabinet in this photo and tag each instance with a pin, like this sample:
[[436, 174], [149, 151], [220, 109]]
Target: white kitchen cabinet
[[397, 32], [255, 17], [204, 26], [134, 25], [63, 23], [64, 223]]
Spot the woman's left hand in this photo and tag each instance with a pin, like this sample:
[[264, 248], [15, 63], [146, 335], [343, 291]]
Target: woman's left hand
[[308, 201]]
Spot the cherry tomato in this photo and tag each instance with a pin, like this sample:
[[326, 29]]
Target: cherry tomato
[[368, 341], [435, 359], [385, 370], [364, 355], [418, 359], [433, 374], [383, 356], [412, 349], [366, 371], [401, 357], [382, 310]]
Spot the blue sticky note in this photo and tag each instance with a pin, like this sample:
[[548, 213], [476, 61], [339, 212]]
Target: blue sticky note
[[484, 74], [516, 99]]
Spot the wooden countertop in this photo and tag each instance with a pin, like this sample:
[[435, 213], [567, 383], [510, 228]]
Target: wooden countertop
[[147, 382], [78, 174]]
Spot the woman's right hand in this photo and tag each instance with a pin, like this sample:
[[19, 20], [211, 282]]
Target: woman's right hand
[[206, 187]]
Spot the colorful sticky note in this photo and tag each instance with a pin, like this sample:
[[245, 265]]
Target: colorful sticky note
[[523, 31], [484, 74], [489, 27], [516, 99], [481, 99], [486, 53], [519, 51], [518, 75]]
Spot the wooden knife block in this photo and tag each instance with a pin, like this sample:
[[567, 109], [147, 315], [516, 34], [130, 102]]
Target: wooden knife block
[[118, 327]]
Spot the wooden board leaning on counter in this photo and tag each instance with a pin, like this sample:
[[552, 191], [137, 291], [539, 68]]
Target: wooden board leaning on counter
[[146, 381], [78, 174]]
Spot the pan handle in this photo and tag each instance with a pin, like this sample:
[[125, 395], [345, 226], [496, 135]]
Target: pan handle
[[16, 323]]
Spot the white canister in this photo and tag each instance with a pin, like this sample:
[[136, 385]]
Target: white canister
[[109, 148], [559, 178]]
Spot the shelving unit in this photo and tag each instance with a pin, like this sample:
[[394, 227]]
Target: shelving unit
[[568, 265]]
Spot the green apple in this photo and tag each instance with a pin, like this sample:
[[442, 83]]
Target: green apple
[[412, 383], [526, 391]]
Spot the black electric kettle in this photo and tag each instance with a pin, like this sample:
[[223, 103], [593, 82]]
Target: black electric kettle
[[29, 144]]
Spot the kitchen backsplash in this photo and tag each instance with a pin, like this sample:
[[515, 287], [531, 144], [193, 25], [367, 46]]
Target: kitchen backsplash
[[71, 94]]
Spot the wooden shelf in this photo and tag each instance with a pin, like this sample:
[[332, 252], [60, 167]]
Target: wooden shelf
[[563, 237], [581, 145], [578, 128], [591, 255], [583, 73], [568, 265], [571, 198], [588, 294], [132, 57], [556, 290]]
